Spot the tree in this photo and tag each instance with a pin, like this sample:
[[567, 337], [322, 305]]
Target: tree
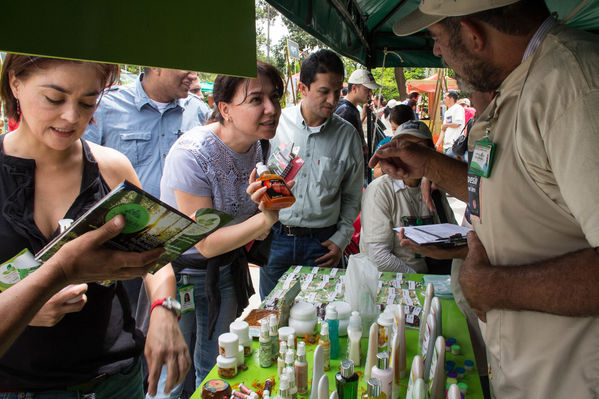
[[265, 15], [394, 80]]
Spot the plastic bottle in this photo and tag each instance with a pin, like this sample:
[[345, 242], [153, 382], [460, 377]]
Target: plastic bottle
[[326, 346], [419, 391], [401, 331], [284, 387], [265, 355], [290, 373], [291, 341], [428, 344], [437, 311], [373, 389], [430, 292], [383, 372], [317, 371], [373, 347], [454, 392], [278, 195], [394, 364], [346, 381], [301, 369], [333, 322], [281, 358], [354, 335], [290, 359], [274, 335], [437, 372], [385, 322], [267, 387], [323, 387], [416, 373]]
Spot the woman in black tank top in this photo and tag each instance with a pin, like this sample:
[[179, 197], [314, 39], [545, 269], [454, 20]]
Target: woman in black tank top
[[83, 339]]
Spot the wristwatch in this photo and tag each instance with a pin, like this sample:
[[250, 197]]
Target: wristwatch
[[168, 303]]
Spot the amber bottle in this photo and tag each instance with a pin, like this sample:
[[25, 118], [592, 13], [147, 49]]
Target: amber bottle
[[278, 195]]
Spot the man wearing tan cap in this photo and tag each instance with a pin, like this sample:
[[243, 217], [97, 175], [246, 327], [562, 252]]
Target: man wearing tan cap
[[532, 270]]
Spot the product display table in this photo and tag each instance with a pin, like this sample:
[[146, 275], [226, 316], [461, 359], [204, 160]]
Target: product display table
[[322, 289]]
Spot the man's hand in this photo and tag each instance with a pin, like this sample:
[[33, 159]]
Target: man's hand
[[432, 251], [476, 277], [165, 346], [85, 259], [332, 258], [402, 159], [69, 300]]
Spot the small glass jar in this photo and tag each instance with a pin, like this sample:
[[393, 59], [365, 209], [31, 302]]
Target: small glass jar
[[242, 329], [216, 389], [302, 318], [228, 344], [226, 366]]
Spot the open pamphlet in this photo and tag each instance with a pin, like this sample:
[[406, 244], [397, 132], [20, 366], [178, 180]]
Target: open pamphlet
[[150, 223], [442, 234]]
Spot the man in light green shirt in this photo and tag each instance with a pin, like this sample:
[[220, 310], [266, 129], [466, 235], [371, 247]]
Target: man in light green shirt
[[328, 189]]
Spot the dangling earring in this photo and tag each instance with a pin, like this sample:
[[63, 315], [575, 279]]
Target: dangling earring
[[18, 110]]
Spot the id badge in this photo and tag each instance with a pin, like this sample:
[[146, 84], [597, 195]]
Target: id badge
[[482, 157], [186, 299]]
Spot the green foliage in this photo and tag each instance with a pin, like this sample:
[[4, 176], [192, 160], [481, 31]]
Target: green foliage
[[389, 89]]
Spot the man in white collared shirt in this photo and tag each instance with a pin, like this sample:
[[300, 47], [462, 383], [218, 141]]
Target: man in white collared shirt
[[316, 229]]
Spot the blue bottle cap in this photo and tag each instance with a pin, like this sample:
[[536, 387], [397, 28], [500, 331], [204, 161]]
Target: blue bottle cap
[[449, 365], [468, 363]]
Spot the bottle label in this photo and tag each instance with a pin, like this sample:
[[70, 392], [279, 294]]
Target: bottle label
[[327, 357], [301, 378], [265, 355], [276, 188]]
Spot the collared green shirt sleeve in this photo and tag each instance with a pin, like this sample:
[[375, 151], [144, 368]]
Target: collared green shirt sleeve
[[328, 187]]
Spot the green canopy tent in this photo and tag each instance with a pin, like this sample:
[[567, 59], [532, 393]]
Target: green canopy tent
[[207, 36], [363, 28]]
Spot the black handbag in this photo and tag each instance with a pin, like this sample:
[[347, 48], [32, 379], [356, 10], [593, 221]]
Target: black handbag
[[460, 145], [260, 251]]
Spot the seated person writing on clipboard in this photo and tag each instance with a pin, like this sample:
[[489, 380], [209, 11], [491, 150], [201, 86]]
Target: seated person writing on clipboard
[[389, 203]]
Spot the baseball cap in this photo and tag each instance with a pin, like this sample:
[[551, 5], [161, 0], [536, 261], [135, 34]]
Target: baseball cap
[[414, 128], [363, 77], [392, 103], [464, 101], [432, 11]]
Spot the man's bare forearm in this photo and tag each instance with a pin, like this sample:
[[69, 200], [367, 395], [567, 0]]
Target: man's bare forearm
[[450, 174], [566, 285]]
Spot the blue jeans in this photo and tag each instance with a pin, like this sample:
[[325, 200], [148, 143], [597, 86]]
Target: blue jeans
[[125, 385], [287, 251], [195, 323]]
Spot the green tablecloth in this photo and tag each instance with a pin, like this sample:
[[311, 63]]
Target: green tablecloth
[[454, 325]]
